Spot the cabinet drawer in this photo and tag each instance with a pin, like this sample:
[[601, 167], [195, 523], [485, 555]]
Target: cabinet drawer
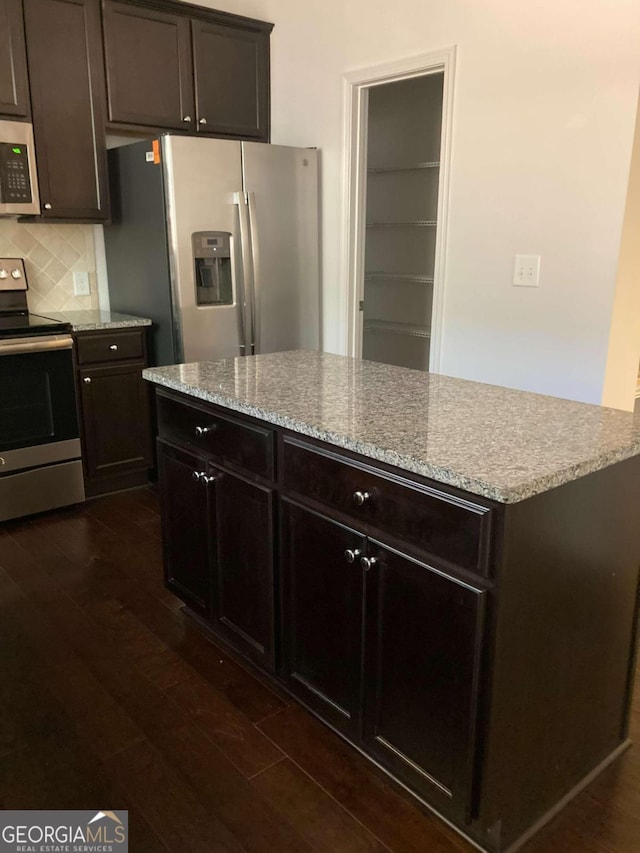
[[110, 346], [223, 438], [449, 527]]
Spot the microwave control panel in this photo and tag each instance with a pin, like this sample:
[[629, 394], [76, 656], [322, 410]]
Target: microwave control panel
[[15, 180]]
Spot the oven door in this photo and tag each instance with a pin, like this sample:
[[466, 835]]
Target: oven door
[[37, 401], [40, 464]]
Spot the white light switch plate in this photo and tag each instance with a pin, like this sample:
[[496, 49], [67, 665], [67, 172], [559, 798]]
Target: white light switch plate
[[81, 284], [526, 271]]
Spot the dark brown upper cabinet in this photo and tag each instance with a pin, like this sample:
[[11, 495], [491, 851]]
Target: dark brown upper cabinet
[[182, 67], [14, 87], [65, 58], [149, 69], [231, 69]]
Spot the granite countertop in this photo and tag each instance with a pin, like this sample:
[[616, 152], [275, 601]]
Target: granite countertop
[[503, 444], [90, 321]]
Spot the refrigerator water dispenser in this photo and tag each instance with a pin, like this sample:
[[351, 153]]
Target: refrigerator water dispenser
[[212, 260]]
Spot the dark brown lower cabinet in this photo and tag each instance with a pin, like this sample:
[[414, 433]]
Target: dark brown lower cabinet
[[386, 648], [115, 416], [322, 615], [116, 421], [243, 544], [481, 654], [187, 505], [424, 634], [218, 541]]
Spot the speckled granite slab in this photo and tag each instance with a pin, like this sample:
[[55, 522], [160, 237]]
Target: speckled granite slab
[[497, 442], [91, 321]]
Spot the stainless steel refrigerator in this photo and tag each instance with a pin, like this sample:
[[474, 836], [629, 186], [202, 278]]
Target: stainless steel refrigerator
[[216, 241]]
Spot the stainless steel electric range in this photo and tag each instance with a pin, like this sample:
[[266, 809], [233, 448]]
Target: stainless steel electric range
[[40, 463]]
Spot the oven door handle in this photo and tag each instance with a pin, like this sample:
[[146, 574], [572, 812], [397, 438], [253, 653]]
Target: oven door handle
[[46, 343]]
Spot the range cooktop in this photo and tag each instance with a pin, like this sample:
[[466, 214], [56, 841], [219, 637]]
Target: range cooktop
[[22, 324]]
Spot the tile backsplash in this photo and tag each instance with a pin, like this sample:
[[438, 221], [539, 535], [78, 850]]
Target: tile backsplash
[[52, 253]]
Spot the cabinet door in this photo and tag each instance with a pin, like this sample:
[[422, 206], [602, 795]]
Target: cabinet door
[[148, 62], [14, 87], [115, 418], [64, 49], [231, 68], [322, 615], [188, 505], [243, 594], [424, 640]]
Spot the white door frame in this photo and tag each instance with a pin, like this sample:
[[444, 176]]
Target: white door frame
[[356, 85]]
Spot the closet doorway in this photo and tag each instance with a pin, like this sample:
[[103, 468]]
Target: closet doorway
[[399, 138]]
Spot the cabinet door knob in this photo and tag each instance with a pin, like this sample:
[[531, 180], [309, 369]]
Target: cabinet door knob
[[47, 206], [207, 479], [197, 475], [186, 118], [87, 379], [360, 498], [203, 121], [352, 555], [113, 347], [368, 562], [204, 430]]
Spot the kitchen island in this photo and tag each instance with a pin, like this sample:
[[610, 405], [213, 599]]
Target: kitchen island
[[445, 572]]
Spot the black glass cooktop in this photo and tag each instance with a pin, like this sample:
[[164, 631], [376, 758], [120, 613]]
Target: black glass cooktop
[[22, 324]]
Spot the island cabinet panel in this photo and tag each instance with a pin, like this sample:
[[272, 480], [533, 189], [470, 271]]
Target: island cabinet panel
[[223, 465], [64, 48], [14, 85], [425, 634], [226, 439], [454, 529], [231, 80], [480, 653], [243, 576], [149, 68], [386, 649], [322, 593], [187, 506]]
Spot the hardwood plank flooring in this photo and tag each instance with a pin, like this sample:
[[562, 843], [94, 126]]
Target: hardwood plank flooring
[[111, 697]]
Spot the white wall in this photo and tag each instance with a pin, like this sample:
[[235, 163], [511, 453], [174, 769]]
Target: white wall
[[624, 340], [545, 102]]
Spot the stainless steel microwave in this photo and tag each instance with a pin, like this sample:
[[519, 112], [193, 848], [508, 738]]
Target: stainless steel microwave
[[18, 176]]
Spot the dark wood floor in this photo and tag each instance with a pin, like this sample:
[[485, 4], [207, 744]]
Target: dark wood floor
[[112, 699]]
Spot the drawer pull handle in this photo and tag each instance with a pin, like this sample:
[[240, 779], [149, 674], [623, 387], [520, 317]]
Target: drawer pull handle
[[360, 498], [368, 562], [352, 555], [87, 380], [113, 347], [200, 431]]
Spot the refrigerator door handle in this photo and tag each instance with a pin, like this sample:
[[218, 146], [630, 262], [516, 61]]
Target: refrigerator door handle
[[255, 276], [245, 297]]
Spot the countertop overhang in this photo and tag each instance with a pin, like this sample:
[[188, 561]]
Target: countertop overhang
[[503, 444]]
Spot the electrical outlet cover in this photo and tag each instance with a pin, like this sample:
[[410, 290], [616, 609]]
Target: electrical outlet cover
[[526, 271], [81, 283]]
